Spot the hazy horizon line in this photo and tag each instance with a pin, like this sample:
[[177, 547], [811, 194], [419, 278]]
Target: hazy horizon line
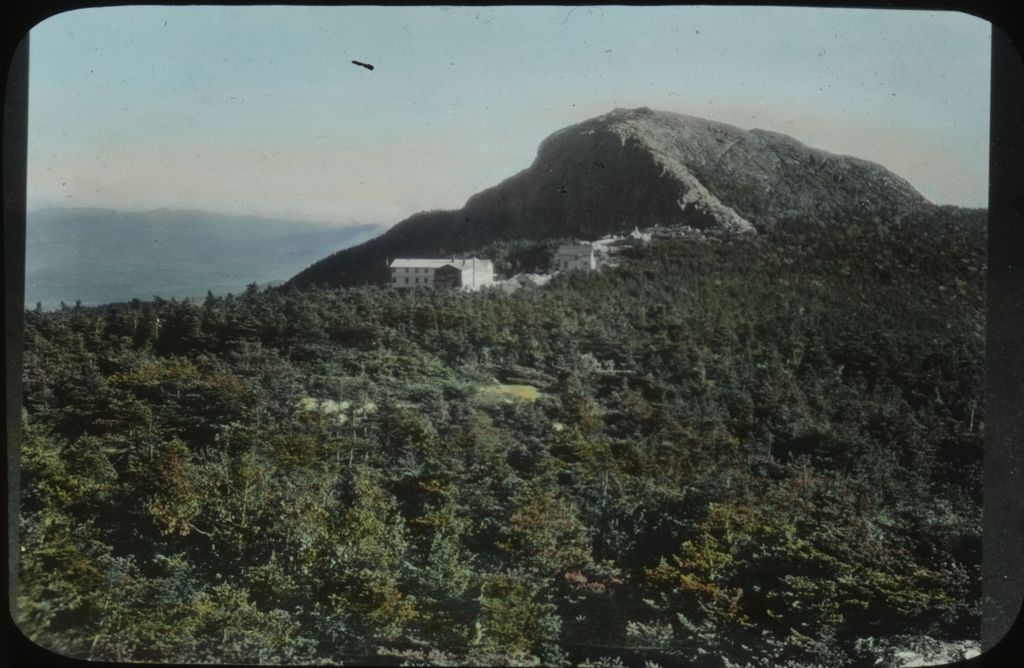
[[197, 209]]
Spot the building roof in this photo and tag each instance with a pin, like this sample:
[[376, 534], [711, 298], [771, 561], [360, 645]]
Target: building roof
[[436, 264]]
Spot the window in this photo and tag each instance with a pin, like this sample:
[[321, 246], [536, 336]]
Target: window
[[407, 280]]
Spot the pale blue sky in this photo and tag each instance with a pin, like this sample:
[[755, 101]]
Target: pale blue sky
[[259, 110]]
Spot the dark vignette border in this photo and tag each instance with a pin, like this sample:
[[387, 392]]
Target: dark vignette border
[[1003, 520], [1002, 534]]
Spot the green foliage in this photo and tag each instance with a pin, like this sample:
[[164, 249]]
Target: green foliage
[[762, 451], [176, 496], [545, 534], [515, 617]]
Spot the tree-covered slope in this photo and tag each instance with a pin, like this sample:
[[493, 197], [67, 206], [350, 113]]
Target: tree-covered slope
[[728, 451]]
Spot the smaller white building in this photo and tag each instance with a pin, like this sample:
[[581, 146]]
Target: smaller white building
[[466, 274], [575, 257]]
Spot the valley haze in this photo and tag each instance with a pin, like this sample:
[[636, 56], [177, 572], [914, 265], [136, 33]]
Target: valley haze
[[622, 170], [625, 169], [97, 255]]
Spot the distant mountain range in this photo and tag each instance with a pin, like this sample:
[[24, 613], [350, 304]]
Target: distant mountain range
[[100, 256], [638, 168]]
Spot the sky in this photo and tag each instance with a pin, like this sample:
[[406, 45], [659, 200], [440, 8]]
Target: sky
[[259, 110]]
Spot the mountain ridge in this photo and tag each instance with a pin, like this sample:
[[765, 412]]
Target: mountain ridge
[[638, 168]]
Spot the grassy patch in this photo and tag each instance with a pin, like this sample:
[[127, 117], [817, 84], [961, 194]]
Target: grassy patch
[[510, 392]]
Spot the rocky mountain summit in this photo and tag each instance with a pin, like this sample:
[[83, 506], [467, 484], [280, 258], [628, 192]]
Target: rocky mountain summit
[[639, 168]]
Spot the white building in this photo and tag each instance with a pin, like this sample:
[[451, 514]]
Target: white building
[[575, 257], [468, 274]]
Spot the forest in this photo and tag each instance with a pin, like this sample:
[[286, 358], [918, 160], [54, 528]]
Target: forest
[[756, 451]]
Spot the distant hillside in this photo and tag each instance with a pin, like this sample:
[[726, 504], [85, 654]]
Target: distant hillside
[[100, 256], [641, 167]]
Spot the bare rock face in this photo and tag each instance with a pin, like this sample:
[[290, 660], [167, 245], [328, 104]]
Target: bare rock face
[[638, 168], [642, 167], [609, 174]]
